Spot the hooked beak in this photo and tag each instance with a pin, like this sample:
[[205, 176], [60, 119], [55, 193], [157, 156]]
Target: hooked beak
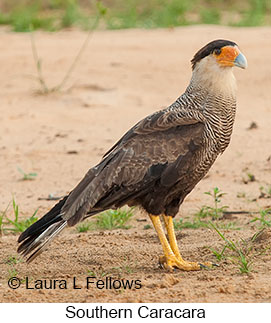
[[240, 61]]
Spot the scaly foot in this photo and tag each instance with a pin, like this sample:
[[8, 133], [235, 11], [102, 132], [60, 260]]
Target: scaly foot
[[171, 262]]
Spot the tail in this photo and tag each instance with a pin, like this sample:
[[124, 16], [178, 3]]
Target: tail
[[35, 238], [73, 208]]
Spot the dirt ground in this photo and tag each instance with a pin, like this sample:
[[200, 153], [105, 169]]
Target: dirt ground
[[122, 77]]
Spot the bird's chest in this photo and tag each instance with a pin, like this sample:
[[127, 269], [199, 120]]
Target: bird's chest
[[218, 130]]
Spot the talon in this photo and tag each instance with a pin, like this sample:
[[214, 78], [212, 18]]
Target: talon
[[161, 263], [171, 263], [207, 265], [203, 266]]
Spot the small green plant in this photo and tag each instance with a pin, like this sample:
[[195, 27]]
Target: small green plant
[[2, 222], [12, 260], [241, 252], [12, 272], [97, 273], [91, 273], [126, 267], [264, 219], [114, 219], [198, 223], [146, 227], [85, 226], [18, 225], [216, 211], [195, 224], [27, 176], [109, 220], [219, 255], [265, 192], [228, 225], [249, 177]]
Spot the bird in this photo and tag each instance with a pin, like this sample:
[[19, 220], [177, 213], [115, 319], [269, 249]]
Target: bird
[[159, 161]]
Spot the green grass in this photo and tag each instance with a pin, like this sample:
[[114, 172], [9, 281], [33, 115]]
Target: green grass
[[147, 227], [215, 211], [210, 16], [186, 224], [12, 272], [12, 260], [114, 219], [240, 252], [109, 220], [257, 13], [264, 220], [15, 224], [201, 219], [248, 177], [85, 226], [27, 176], [53, 15], [3, 215], [197, 223]]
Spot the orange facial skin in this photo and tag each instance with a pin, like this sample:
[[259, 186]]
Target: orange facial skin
[[227, 56]]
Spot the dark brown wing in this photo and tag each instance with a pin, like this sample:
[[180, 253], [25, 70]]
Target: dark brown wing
[[134, 164], [140, 169], [159, 121]]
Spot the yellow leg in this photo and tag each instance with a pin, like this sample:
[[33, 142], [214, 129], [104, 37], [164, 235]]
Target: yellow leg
[[170, 259], [174, 245], [171, 236]]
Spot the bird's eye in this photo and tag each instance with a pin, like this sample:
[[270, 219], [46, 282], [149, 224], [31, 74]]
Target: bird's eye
[[217, 51]]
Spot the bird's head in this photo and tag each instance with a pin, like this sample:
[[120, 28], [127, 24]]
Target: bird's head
[[212, 64], [222, 52]]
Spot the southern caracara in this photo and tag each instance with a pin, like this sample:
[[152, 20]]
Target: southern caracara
[[159, 161]]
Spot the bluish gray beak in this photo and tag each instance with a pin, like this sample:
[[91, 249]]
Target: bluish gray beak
[[240, 61]]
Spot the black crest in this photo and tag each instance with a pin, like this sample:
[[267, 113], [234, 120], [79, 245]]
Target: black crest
[[209, 48]]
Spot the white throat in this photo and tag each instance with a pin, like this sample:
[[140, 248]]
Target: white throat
[[219, 80]]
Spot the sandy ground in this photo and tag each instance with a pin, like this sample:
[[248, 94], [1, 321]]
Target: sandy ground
[[122, 77]]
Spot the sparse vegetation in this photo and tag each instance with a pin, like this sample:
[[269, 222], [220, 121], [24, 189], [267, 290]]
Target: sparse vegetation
[[12, 260], [114, 219], [248, 178], [109, 220], [126, 267], [146, 227], [12, 272], [265, 191], [240, 252], [44, 88], [27, 176], [202, 218], [186, 224], [85, 226], [264, 219], [97, 274], [2, 220], [53, 15], [215, 211], [17, 224]]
